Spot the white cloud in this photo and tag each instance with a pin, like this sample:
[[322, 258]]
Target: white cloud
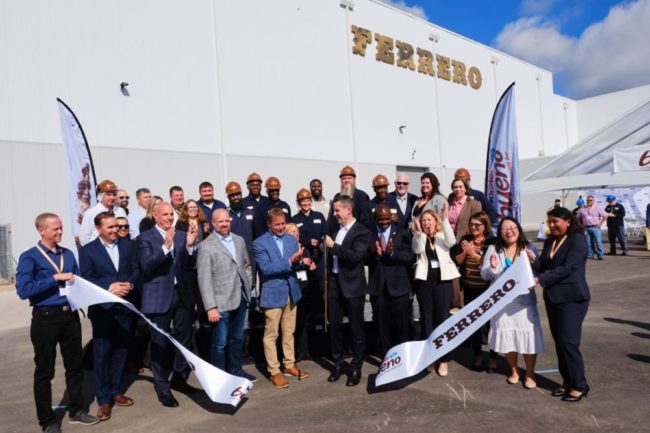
[[612, 54], [415, 10]]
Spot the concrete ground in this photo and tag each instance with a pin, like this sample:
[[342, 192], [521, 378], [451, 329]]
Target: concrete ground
[[616, 347]]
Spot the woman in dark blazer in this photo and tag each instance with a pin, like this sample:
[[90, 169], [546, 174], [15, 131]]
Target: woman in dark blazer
[[566, 295]]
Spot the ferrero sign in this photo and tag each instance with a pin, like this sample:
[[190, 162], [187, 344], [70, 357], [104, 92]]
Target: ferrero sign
[[404, 55]]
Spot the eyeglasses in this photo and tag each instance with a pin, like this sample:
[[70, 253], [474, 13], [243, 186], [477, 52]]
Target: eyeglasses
[[401, 183], [509, 229], [475, 225], [123, 226], [124, 197]]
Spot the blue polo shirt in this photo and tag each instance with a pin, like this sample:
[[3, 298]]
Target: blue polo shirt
[[35, 275]]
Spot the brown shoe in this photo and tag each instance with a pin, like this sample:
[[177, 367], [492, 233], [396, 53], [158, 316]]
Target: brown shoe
[[296, 372], [122, 400], [279, 381], [104, 412]]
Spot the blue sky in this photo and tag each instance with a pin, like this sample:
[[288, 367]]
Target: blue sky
[[591, 46]]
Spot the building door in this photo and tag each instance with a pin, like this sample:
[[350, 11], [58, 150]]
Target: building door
[[414, 174]]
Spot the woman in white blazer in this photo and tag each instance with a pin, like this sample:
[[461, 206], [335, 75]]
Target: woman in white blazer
[[434, 270]]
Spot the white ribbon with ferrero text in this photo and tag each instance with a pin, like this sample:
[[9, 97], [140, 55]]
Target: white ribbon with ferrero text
[[408, 359], [220, 386]]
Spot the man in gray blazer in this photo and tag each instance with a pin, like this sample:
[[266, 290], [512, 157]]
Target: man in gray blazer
[[225, 280]]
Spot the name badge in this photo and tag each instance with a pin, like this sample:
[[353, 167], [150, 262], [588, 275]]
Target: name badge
[[299, 225], [249, 207], [317, 221], [393, 211], [435, 264], [302, 275], [249, 217]]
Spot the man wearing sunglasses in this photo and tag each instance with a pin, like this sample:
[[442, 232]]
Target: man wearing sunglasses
[[123, 228], [402, 199]]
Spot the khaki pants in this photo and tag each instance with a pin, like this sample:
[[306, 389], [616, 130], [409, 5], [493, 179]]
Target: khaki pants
[[285, 318], [647, 238]]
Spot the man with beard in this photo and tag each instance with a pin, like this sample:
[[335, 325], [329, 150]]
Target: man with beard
[[264, 206], [105, 203], [123, 200], [380, 186], [208, 204], [177, 200], [319, 202], [254, 185], [360, 210]]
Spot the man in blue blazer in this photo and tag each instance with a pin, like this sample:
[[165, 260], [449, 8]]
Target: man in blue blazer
[[278, 255], [112, 264], [163, 253]]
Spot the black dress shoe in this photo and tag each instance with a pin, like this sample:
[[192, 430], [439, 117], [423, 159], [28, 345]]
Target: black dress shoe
[[571, 398], [181, 385], [558, 392], [335, 374], [168, 400], [354, 378]]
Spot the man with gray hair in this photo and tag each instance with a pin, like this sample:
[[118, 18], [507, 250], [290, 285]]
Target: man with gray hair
[[402, 199], [106, 198], [225, 280]]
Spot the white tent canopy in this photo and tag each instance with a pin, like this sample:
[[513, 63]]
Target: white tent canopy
[[590, 163]]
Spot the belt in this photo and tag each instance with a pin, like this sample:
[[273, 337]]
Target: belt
[[53, 308], [588, 227]]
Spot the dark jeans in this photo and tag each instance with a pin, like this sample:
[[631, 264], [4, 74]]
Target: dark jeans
[[227, 335], [163, 359], [49, 327], [434, 300], [338, 306], [111, 335], [309, 307], [616, 232]]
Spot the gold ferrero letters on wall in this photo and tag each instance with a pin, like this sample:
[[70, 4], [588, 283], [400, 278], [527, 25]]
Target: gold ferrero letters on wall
[[361, 39], [384, 49], [387, 49]]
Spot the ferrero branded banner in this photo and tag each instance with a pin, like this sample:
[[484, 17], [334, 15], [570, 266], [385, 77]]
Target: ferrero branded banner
[[408, 359], [220, 386]]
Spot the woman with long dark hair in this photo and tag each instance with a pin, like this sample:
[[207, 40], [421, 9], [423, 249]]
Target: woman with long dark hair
[[430, 198], [517, 328], [566, 296]]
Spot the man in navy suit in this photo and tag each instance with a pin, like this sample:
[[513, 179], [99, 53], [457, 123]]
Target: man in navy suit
[[402, 200], [163, 254], [278, 255], [112, 264], [347, 287], [389, 282]]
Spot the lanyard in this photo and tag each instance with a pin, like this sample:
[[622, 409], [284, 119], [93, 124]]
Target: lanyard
[[58, 269], [554, 248]]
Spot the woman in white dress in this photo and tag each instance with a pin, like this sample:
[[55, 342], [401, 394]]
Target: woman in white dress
[[517, 328]]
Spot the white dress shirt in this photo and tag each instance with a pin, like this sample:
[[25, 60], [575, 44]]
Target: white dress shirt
[[340, 237]]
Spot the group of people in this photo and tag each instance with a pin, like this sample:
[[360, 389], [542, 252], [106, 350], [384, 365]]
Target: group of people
[[203, 260]]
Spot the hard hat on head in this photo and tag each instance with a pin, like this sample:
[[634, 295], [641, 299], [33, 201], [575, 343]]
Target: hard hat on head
[[107, 186], [347, 171], [462, 173], [253, 177], [302, 194], [233, 188], [380, 180], [273, 183]]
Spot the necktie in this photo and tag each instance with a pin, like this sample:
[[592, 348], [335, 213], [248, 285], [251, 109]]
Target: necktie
[[382, 241]]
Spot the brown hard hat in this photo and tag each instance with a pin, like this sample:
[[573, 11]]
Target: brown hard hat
[[380, 180], [233, 188], [106, 186], [462, 173], [253, 177], [273, 183], [347, 171], [302, 194]]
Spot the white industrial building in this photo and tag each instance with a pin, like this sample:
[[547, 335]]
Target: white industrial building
[[218, 89]]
